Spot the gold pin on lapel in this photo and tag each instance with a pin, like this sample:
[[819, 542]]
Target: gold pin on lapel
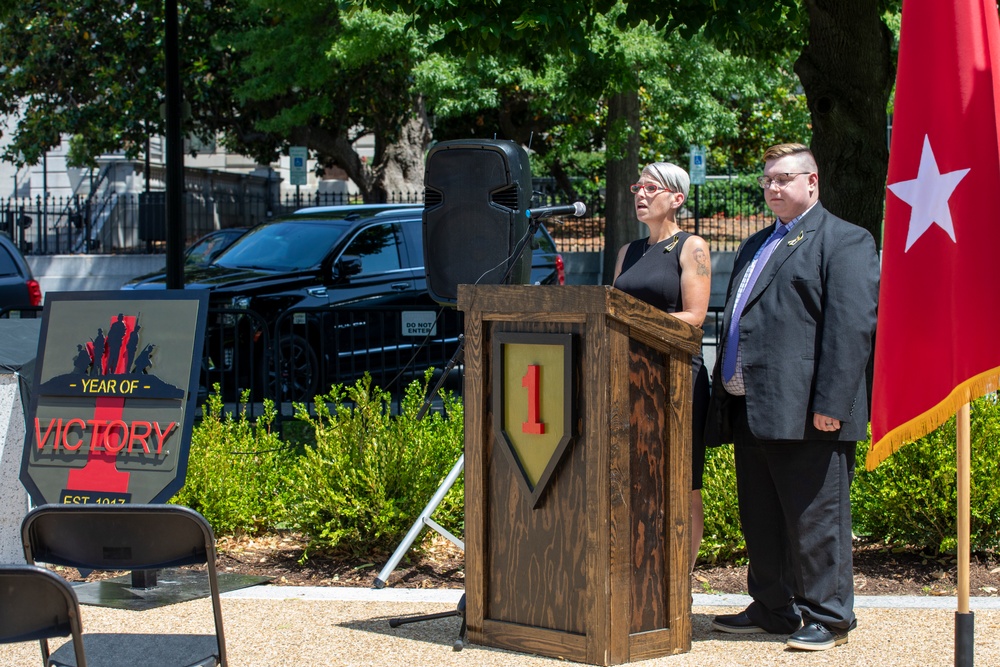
[[673, 242], [796, 239]]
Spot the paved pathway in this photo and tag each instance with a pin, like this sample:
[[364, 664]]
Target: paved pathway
[[273, 626], [451, 596]]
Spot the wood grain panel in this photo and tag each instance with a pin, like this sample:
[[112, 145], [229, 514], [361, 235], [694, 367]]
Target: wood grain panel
[[542, 642], [536, 571], [658, 643], [617, 506], [554, 301], [648, 380], [475, 475], [679, 488], [545, 318]]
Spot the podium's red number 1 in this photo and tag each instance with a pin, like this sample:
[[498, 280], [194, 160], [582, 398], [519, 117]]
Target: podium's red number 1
[[530, 382]]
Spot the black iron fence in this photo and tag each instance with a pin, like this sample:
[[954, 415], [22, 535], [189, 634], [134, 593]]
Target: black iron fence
[[136, 223], [722, 211]]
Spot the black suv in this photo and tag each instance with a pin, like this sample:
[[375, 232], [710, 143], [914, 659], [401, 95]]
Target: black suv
[[18, 288], [340, 290]]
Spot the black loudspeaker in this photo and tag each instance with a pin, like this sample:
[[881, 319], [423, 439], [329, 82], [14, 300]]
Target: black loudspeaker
[[475, 195]]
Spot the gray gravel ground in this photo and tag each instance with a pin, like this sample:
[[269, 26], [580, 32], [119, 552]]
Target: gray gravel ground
[[274, 626]]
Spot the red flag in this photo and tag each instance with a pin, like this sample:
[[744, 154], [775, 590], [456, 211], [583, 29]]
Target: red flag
[[938, 340]]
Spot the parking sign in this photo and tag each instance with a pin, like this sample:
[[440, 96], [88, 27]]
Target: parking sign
[[697, 169], [298, 156]]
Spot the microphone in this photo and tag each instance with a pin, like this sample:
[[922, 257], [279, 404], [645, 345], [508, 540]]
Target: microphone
[[576, 208]]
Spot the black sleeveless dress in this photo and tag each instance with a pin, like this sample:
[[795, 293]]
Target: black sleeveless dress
[[653, 274]]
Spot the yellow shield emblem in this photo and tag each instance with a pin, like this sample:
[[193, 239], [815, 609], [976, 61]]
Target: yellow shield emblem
[[532, 410]]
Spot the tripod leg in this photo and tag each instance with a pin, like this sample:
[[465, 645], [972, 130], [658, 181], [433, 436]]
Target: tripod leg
[[396, 622], [449, 481], [460, 642], [455, 358], [411, 536], [458, 611]]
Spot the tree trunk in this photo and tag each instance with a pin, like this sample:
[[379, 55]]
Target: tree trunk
[[847, 72], [620, 225], [397, 166], [336, 149], [402, 169]]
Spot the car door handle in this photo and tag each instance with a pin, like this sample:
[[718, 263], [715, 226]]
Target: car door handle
[[317, 291], [399, 287]]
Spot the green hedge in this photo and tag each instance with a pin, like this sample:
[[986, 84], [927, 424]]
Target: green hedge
[[909, 500], [235, 470], [357, 482], [363, 483], [365, 474], [723, 538]]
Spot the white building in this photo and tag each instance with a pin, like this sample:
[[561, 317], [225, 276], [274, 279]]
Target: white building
[[119, 203]]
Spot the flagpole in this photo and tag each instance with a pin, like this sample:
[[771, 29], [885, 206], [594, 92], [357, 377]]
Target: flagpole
[[964, 619]]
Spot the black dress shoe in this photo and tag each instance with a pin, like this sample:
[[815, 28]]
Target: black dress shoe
[[815, 636], [737, 624]]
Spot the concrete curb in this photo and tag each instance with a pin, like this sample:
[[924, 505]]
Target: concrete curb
[[452, 595]]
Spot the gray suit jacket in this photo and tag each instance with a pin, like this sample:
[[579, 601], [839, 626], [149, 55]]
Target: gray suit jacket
[[806, 332]]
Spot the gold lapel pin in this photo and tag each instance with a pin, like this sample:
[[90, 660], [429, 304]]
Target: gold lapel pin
[[673, 242], [796, 239]]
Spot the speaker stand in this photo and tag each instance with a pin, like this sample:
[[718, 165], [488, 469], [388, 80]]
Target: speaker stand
[[425, 516], [460, 611], [424, 519]]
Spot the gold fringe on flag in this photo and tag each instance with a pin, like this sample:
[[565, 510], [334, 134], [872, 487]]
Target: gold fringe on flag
[[924, 423]]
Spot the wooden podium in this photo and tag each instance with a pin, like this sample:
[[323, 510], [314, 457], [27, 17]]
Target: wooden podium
[[577, 473]]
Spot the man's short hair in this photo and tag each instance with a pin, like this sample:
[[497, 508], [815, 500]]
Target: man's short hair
[[801, 151]]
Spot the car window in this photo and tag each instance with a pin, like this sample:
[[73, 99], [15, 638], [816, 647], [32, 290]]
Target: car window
[[543, 241], [7, 265], [283, 246], [377, 247], [204, 250], [415, 242]]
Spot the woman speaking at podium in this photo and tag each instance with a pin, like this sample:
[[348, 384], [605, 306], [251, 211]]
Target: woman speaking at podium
[[671, 270]]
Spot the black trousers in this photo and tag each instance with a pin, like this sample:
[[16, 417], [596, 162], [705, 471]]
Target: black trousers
[[795, 508]]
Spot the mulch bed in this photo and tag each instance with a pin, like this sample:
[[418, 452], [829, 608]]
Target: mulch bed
[[878, 570]]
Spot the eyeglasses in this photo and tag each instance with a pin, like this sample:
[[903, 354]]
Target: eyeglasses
[[649, 188], [781, 180]]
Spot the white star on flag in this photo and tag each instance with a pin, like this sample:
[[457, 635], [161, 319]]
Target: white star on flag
[[928, 196]]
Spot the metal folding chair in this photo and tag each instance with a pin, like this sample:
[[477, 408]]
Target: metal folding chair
[[129, 537], [38, 604]]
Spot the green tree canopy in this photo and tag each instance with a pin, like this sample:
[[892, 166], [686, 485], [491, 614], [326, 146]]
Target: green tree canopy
[[846, 64], [94, 71], [588, 88], [322, 78]]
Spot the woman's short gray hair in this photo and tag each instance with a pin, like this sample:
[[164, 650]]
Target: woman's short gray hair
[[669, 175]]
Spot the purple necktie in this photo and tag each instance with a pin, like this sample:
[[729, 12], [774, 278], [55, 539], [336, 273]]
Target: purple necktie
[[733, 337]]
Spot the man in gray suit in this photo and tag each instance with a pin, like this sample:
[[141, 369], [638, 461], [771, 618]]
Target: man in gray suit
[[790, 390]]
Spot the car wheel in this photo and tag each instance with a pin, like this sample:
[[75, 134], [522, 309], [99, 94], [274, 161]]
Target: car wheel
[[295, 375]]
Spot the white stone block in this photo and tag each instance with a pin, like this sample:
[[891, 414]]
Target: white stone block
[[13, 497]]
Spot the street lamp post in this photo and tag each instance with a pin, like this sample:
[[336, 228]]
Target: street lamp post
[[174, 151]]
